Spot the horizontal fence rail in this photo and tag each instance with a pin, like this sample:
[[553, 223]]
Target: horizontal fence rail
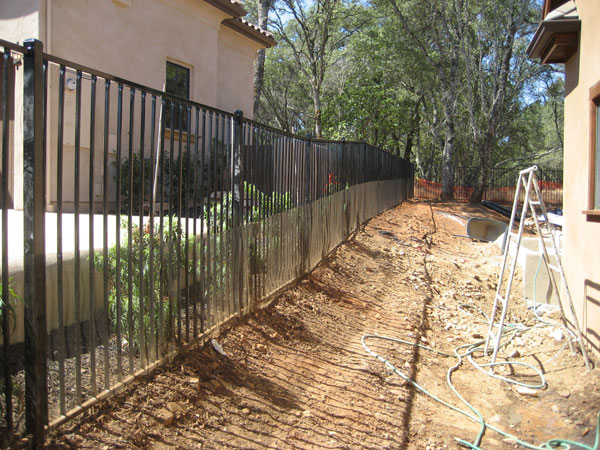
[[501, 187], [149, 221]]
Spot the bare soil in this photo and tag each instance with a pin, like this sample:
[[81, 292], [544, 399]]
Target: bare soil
[[297, 377]]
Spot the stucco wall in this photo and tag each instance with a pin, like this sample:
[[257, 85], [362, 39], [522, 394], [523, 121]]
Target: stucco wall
[[19, 20], [236, 54], [132, 42], [581, 244]]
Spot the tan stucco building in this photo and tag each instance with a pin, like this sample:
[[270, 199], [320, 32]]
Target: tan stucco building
[[205, 41], [568, 35]]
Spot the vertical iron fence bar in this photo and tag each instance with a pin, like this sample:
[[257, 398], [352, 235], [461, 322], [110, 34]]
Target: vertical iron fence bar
[[92, 303], [263, 209], [141, 262], [228, 230], [259, 227], [107, 329], [222, 221], [288, 205], [218, 220], [7, 104], [162, 271], [152, 354], [34, 256], [59, 246], [237, 209], [195, 188], [130, 192], [77, 265], [118, 309], [210, 227], [254, 259], [277, 144], [171, 234], [179, 228], [186, 214], [285, 205], [202, 227]]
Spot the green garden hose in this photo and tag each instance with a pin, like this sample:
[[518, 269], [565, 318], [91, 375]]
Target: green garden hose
[[476, 416]]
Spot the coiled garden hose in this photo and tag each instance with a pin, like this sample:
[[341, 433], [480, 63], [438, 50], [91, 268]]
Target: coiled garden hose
[[476, 416]]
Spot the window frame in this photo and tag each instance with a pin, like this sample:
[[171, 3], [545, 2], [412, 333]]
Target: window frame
[[594, 175], [166, 113]]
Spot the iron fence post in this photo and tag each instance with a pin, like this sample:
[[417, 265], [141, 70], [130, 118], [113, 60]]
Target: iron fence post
[[237, 196], [34, 257], [306, 209]]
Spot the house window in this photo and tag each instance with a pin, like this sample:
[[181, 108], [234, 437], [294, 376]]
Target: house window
[[177, 83]]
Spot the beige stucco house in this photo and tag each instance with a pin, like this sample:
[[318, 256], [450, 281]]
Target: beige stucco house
[[204, 46], [568, 34]]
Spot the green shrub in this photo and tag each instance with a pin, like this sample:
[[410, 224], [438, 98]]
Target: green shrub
[[13, 298], [164, 273]]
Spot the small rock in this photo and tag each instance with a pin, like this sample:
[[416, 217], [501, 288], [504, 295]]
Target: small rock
[[565, 393], [246, 411], [585, 431], [306, 413], [510, 441], [555, 408], [557, 334], [216, 384], [527, 391], [217, 347], [165, 416], [477, 336], [496, 419], [261, 348], [175, 407], [514, 354]]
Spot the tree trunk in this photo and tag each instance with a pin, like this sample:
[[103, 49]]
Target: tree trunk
[[264, 6], [259, 76], [482, 179], [447, 175], [447, 165], [414, 129], [317, 104]]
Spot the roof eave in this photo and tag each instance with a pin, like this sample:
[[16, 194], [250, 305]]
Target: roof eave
[[266, 40], [555, 41], [227, 6]]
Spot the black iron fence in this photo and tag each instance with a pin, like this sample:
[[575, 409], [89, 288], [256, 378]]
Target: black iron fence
[[141, 239], [501, 187]]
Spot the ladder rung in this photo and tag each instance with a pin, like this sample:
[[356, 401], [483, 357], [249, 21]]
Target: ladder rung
[[535, 202]]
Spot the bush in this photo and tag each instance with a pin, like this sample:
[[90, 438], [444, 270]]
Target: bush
[[161, 275]]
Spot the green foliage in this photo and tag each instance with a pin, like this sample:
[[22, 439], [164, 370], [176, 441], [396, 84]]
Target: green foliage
[[13, 298], [178, 176], [157, 283], [263, 206], [416, 77]]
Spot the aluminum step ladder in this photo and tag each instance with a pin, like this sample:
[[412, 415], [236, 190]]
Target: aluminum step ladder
[[534, 203]]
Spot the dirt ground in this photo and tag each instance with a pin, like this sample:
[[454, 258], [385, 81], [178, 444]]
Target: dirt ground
[[297, 377]]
